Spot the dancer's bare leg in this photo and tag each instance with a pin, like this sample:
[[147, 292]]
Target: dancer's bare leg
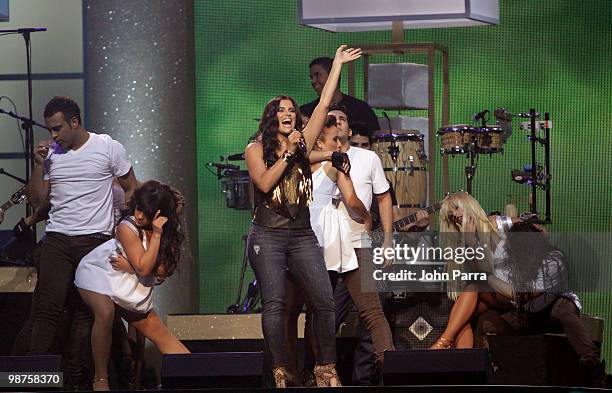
[[154, 329], [460, 315], [103, 309]]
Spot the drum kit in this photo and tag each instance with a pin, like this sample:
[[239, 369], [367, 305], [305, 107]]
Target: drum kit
[[462, 139], [402, 154], [489, 139], [473, 141], [404, 161]]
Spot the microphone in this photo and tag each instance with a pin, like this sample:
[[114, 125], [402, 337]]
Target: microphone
[[236, 157], [388, 121], [480, 115], [302, 146], [223, 166]]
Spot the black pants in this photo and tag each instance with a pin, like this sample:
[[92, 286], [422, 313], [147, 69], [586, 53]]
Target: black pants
[[56, 299], [271, 251]]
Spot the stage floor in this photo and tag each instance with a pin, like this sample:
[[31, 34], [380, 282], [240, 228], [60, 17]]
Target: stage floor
[[406, 389]]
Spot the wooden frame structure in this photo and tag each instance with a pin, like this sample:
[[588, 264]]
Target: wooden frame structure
[[430, 50]]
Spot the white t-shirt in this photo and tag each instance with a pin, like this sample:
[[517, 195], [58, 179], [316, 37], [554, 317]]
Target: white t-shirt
[[368, 178], [81, 186]]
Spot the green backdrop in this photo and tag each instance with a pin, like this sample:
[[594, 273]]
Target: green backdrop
[[549, 55]]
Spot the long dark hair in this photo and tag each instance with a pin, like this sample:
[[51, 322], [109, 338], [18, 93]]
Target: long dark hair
[[149, 198], [268, 128], [526, 253]]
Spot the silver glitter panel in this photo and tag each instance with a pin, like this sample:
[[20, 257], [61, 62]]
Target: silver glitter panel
[[139, 88]]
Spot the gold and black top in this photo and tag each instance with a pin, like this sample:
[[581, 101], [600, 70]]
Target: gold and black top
[[286, 205]]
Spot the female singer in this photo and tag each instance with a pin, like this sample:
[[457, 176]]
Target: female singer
[[281, 236]]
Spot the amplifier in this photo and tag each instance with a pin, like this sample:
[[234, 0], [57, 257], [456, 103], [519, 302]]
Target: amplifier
[[418, 319]]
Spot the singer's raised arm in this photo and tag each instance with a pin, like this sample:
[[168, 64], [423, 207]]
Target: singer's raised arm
[[317, 120]]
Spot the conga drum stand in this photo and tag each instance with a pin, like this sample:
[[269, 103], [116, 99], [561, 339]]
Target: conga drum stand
[[470, 171]]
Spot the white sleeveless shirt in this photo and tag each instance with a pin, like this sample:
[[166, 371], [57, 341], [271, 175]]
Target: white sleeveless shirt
[[329, 224]]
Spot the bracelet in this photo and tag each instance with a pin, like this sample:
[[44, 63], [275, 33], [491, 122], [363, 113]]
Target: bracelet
[[508, 222], [287, 157], [504, 223]]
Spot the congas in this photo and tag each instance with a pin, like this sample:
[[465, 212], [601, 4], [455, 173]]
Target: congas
[[400, 150], [455, 139], [238, 189], [403, 159], [488, 139]]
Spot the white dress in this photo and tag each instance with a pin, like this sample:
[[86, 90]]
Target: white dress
[[330, 225], [95, 273]]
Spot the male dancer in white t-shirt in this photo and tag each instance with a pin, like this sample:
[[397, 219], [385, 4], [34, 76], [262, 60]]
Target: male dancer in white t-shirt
[[369, 181], [74, 174]]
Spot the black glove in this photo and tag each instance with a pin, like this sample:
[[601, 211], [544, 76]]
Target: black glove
[[339, 159], [22, 231]]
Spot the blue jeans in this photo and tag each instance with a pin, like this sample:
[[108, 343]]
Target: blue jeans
[[271, 252]]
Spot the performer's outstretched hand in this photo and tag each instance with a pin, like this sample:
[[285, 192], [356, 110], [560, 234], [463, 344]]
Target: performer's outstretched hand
[[344, 54]]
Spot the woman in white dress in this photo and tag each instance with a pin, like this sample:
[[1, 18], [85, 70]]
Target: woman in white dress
[[120, 274], [329, 184]]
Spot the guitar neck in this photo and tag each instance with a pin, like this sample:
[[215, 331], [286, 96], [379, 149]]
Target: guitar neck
[[411, 218], [399, 224], [6, 205], [15, 199]]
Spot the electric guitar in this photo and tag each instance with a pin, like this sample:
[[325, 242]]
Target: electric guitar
[[18, 197], [378, 235]]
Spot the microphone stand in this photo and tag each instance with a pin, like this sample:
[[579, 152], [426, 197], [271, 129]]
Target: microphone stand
[[20, 180], [534, 164], [29, 140], [470, 171], [26, 123], [547, 175]]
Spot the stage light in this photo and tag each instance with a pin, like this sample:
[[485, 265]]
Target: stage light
[[367, 15]]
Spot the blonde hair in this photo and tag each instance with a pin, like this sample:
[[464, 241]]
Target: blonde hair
[[486, 232]]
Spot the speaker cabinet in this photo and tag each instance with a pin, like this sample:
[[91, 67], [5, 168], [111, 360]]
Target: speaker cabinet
[[214, 369], [418, 319], [437, 367]]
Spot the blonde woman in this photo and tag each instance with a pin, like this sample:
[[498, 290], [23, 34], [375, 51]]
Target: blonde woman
[[463, 223]]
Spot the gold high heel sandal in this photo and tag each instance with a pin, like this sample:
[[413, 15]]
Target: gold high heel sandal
[[443, 343], [100, 385], [326, 375], [280, 377]]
